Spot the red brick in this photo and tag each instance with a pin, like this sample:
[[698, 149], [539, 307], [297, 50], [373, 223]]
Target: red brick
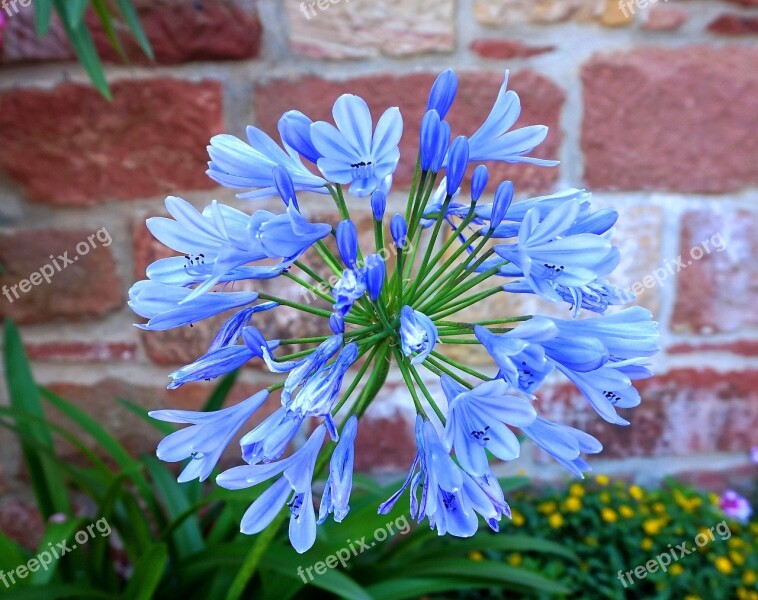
[[21, 44], [384, 445], [20, 521], [717, 293], [504, 49], [69, 146], [666, 118], [739, 478], [180, 31], [541, 100], [683, 412], [742, 347], [665, 18], [734, 25], [81, 352], [87, 288]]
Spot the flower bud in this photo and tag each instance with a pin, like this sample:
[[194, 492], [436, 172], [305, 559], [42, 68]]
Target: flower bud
[[478, 182], [457, 163], [398, 229], [347, 242], [443, 93], [378, 204]]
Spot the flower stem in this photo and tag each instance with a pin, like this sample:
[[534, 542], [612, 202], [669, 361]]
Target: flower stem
[[459, 366], [408, 380], [466, 302]]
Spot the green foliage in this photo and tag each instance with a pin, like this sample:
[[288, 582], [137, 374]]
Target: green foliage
[[72, 16], [182, 541], [616, 527]]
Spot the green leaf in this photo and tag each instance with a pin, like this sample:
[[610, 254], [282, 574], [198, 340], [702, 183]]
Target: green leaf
[[148, 573], [42, 16], [11, 554], [221, 392], [503, 542], [85, 50], [75, 11], [162, 426], [46, 481], [132, 20], [106, 20], [54, 533], [188, 537]]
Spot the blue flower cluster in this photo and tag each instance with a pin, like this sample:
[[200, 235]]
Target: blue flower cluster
[[446, 249]]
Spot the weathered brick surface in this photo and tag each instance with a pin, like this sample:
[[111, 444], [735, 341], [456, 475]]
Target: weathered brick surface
[[510, 12], [541, 102], [178, 32], [717, 292], [665, 18], [734, 25], [182, 31], [683, 412], [342, 29], [89, 287], [664, 119], [504, 49], [82, 352], [743, 347], [69, 146]]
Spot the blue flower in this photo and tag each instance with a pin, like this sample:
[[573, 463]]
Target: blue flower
[[376, 272], [433, 141], [418, 335], [519, 353], [232, 329], [287, 235], [219, 361], [166, 307], [450, 497], [398, 230], [235, 164], [595, 297], [207, 437], [493, 141], [295, 129], [350, 287], [477, 419], [378, 204], [500, 204], [442, 94], [339, 484], [295, 485], [351, 153], [478, 182], [347, 242], [457, 163], [563, 443], [269, 440], [548, 257]]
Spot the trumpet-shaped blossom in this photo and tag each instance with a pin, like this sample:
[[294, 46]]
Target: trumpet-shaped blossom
[[294, 485], [477, 421], [339, 484], [418, 335], [206, 438], [391, 310], [352, 153]]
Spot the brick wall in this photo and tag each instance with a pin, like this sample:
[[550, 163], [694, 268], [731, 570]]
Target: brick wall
[[652, 106]]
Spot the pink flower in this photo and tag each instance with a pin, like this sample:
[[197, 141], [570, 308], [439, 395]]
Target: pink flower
[[735, 506]]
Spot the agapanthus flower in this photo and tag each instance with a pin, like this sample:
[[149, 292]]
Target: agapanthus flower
[[398, 302]]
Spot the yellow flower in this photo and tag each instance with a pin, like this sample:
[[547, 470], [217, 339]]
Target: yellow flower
[[609, 515], [590, 541], [517, 518], [636, 492], [652, 526], [737, 558], [555, 520], [724, 565], [572, 504], [714, 498], [605, 498], [602, 480], [548, 507], [476, 556], [576, 489], [691, 597], [626, 511], [515, 559], [749, 577], [659, 508], [676, 570], [646, 544], [742, 594]]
